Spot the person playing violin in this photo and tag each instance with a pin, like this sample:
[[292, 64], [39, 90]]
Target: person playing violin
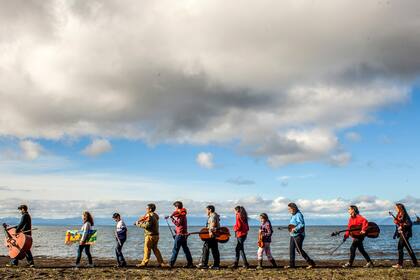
[[150, 223], [357, 220], [213, 223], [179, 219], [24, 226], [297, 235], [403, 226]]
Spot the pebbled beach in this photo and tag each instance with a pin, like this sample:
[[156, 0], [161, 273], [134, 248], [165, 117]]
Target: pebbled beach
[[62, 268]]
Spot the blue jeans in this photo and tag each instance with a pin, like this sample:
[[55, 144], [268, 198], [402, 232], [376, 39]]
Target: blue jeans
[[180, 241], [119, 254], [240, 250]]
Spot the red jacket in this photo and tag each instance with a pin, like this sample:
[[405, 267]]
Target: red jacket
[[241, 227], [359, 220], [179, 218]]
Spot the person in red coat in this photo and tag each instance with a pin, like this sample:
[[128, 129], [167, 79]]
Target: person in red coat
[[357, 220], [241, 229]]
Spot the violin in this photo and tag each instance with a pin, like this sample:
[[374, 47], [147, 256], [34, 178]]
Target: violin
[[18, 243], [260, 242], [221, 234], [143, 219], [179, 212], [372, 231]]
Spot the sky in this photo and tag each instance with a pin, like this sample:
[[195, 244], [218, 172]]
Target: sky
[[109, 105]]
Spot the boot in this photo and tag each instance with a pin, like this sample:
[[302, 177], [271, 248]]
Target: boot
[[273, 263], [259, 266]]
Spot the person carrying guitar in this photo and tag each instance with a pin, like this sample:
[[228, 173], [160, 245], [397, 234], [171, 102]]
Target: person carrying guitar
[[403, 226], [213, 223], [357, 220], [297, 235], [265, 232], [25, 226]]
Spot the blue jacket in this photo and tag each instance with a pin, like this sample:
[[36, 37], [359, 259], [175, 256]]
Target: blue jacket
[[299, 222]]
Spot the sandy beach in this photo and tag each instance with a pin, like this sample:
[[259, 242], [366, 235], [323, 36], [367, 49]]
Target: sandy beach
[[56, 268]]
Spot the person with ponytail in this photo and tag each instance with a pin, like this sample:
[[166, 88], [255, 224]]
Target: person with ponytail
[[403, 230], [266, 231], [241, 229], [357, 220]]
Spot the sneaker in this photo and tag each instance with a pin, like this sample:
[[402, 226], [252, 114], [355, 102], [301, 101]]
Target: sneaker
[[77, 266], [203, 266], [369, 265], [310, 266], [142, 264], [215, 267], [162, 265], [347, 265], [32, 265], [91, 265], [234, 265], [397, 266], [246, 266], [288, 267], [189, 265], [11, 265]]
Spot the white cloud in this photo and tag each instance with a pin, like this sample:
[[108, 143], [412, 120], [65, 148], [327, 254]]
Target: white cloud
[[340, 159], [30, 150], [276, 208], [240, 181], [97, 147], [167, 72], [353, 136], [205, 160]]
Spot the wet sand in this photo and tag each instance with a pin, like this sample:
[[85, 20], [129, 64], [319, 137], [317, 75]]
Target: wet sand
[[56, 268]]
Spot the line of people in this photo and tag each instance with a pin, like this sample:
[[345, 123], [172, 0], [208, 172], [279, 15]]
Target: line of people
[[150, 223]]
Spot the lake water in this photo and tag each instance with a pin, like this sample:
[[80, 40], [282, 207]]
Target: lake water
[[49, 241]]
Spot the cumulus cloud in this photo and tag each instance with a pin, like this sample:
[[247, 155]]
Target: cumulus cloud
[[279, 86], [277, 208], [97, 147], [205, 160], [353, 136]]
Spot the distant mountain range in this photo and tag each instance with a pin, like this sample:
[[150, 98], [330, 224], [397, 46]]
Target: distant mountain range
[[192, 221]]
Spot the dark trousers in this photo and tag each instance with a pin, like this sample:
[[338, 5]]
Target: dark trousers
[[29, 259], [87, 251], [401, 245], [119, 254], [240, 250], [358, 244], [292, 249], [212, 245], [180, 241]]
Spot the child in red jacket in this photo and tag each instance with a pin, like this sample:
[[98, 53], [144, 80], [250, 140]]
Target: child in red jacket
[[241, 229], [357, 220]]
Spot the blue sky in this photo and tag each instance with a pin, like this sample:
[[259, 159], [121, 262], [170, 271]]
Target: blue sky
[[160, 102]]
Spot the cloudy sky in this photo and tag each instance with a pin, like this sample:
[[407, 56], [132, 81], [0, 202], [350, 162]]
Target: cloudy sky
[[255, 102]]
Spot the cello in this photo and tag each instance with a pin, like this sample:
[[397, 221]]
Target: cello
[[372, 231], [221, 234], [17, 243]]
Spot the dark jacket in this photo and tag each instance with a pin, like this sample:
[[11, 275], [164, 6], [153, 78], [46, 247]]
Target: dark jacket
[[25, 224], [406, 224], [267, 231]]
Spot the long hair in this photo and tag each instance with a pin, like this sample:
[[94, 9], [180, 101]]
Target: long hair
[[355, 209], [242, 213], [402, 210], [264, 216], [87, 217], [293, 206]]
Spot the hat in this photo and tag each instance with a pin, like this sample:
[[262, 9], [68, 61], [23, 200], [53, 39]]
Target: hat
[[23, 206]]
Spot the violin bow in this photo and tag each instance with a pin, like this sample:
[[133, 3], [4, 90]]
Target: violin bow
[[170, 229], [403, 236]]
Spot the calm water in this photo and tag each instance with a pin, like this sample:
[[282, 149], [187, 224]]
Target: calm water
[[49, 241]]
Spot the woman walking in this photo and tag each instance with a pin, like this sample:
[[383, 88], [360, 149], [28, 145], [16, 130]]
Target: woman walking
[[403, 230], [83, 245], [241, 229]]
